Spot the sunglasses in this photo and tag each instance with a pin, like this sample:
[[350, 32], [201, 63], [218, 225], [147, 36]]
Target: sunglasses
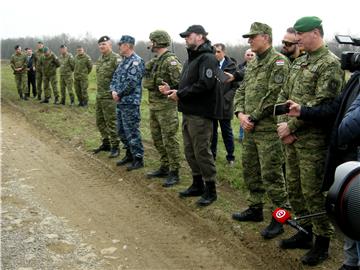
[[288, 43]]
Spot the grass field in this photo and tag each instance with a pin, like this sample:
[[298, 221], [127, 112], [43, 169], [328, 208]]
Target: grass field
[[77, 126]]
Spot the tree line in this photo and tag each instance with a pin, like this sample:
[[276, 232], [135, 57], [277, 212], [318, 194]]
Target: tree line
[[90, 44]]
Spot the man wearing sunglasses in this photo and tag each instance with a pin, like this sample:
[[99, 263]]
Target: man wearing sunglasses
[[290, 45]]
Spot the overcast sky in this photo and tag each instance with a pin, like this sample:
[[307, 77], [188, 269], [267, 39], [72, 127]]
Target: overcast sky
[[225, 21]]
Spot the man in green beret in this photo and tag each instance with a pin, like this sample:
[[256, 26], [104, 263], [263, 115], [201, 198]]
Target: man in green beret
[[314, 78], [254, 101]]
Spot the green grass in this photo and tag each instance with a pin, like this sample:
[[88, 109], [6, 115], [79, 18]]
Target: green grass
[[77, 126]]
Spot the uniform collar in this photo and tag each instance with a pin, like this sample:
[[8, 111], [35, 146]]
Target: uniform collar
[[262, 56], [318, 53]]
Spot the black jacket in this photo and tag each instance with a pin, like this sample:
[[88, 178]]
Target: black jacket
[[225, 93], [349, 128], [331, 114], [196, 91]]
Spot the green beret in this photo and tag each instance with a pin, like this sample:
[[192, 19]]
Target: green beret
[[45, 49], [258, 28], [307, 24]]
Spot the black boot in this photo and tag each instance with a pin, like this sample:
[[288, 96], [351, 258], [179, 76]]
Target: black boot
[[161, 172], [105, 146], [127, 159], [250, 214], [137, 163], [26, 96], [298, 240], [318, 253], [72, 101], [39, 97], [85, 103], [62, 101], [272, 230], [209, 196], [45, 100], [80, 104], [114, 152], [21, 96], [172, 179], [197, 188], [56, 101]]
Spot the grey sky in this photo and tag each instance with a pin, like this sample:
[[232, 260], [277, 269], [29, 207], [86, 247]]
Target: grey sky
[[225, 21]]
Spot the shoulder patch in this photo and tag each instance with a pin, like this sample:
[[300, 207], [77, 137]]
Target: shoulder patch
[[209, 73], [278, 77], [136, 63], [280, 62], [173, 63]]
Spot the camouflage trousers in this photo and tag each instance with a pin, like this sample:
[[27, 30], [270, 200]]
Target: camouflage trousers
[[66, 82], [197, 134], [262, 160], [81, 89], [39, 82], [304, 187], [128, 125], [164, 126], [21, 83], [106, 121], [53, 81]]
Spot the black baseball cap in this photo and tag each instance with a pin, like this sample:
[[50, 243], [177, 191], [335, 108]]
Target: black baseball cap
[[198, 29]]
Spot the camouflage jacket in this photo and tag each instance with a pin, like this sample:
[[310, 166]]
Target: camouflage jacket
[[18, 61], [38, 55], [126, 80], [166, 68], [105, 68], [258, 92], [66, 64], [83, 66], [314, 78], [49, 64]]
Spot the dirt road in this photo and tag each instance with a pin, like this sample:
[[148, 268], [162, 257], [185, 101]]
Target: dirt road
[[63, 209]]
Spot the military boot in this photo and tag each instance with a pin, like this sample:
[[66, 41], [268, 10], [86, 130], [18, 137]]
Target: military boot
[[162, 172], [127, 159], [62, 102], [72, 101], [197, 188], [85, 103], [137, 163], [172, 179], [21, 96], [26, 96], [319, 253], [272, 230], [114, 152], [45, 100], [298, 240], [39, 97], [105, 146], [209, 196], [250, 214], [56, 101], [80, 104]]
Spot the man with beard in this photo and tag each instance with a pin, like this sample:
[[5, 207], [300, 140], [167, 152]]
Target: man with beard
[[291, 47], [196, 100]]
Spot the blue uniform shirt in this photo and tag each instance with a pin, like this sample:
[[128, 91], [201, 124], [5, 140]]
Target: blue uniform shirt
[[126, 80]]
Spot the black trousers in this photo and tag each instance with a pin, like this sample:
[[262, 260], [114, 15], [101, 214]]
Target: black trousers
[[228, 138], [32, 81]]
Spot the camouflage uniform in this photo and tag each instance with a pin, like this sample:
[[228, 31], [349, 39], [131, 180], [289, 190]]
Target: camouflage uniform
[[49, 65], [164, 121], [105, 106], [39, 72], [314, 78], [126, 81], [82, 69], [262, 155], [19, 60], [66, 78]]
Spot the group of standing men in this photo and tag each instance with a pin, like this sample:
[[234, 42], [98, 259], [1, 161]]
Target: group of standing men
[[310, 78], [39, 69]]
